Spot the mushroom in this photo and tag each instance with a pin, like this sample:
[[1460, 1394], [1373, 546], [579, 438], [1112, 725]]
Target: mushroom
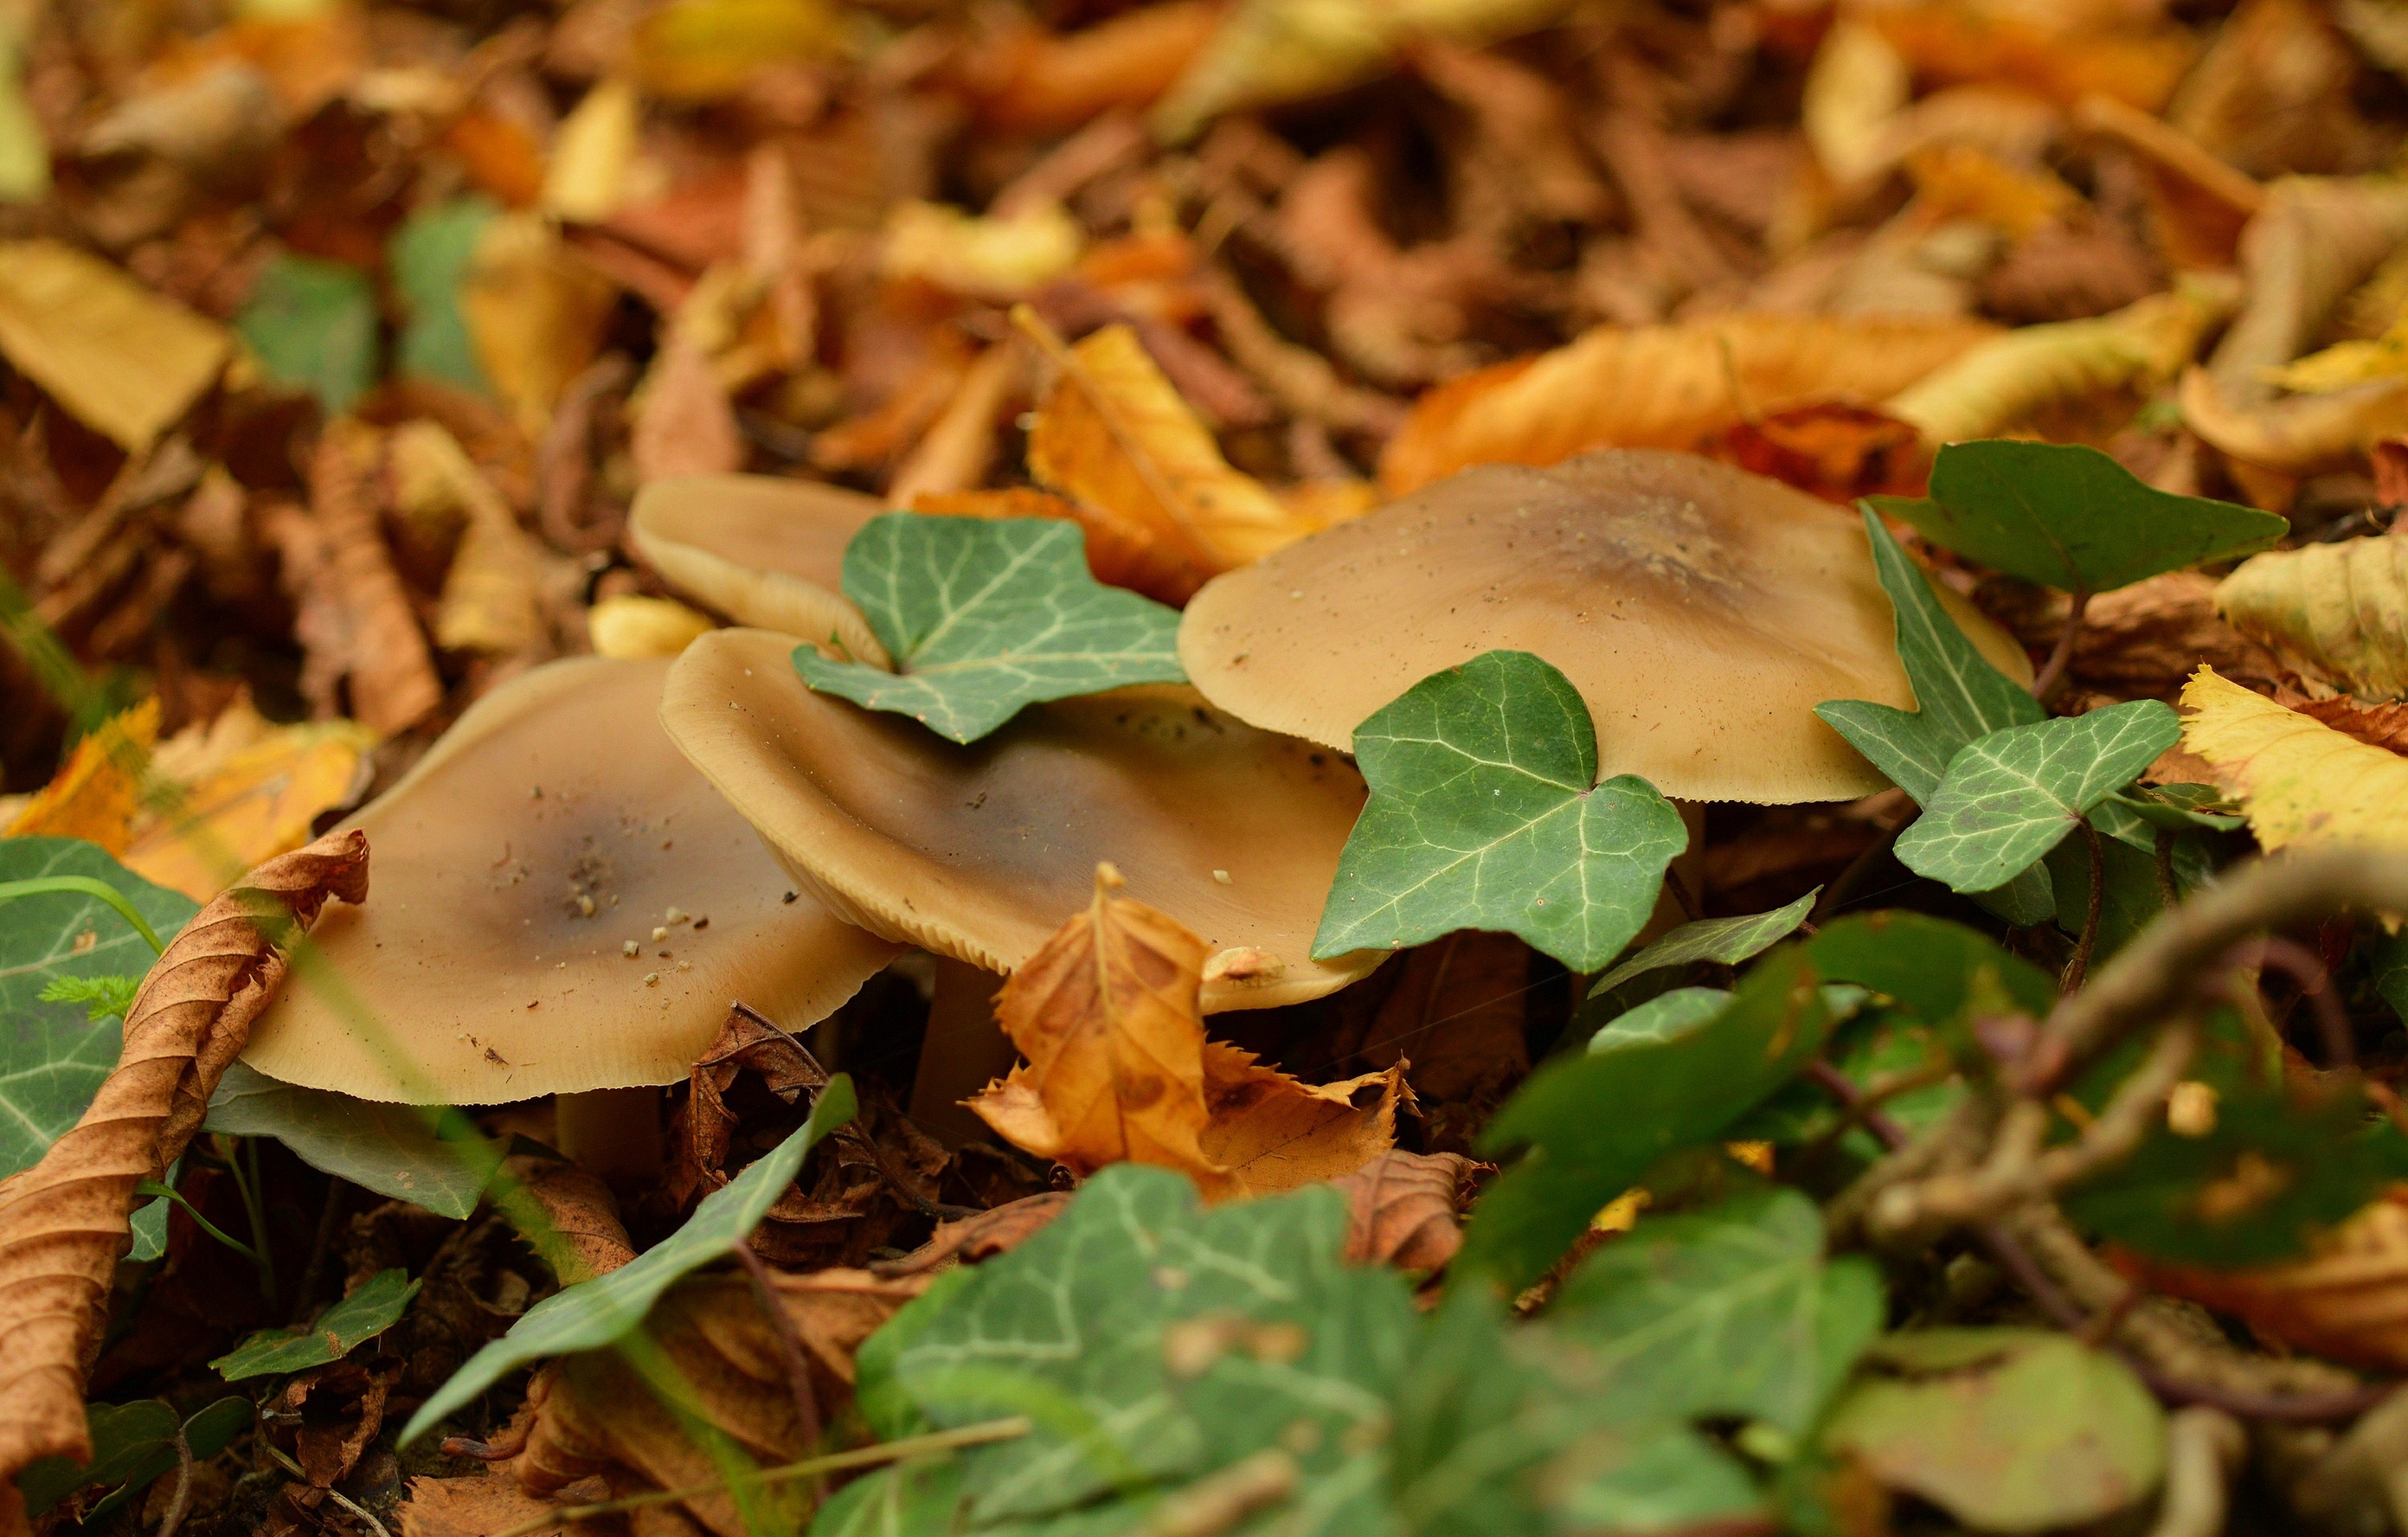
[[1701, 611], [978, 853], [563, 906], [760, 550]]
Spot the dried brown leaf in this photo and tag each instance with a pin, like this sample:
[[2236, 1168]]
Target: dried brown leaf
[[2347, 1300], [1838, 452], [63, 1222], [477, 1506], [355, 621], [685, 423], [2377, 726], [1038, 82], [1407, 1209], [2312, 242], [581, 1235]]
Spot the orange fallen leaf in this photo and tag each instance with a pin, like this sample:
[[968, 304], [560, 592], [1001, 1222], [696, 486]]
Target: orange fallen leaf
[[1118, 1070], [64, 1222], [1035, 81], [1119, 554], [1113, 434], [1953, 44], [96, 795], [1837, 453]]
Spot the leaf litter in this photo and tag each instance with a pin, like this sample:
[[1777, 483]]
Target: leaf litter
[[338, 338]]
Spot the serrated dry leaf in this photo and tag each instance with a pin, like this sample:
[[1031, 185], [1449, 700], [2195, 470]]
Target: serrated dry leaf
[[2347, 1300], [579, 1234], [2341, 608], [1662, 386], [2086, 369], [63, 1222], [122, 359], [1119, 553], [1119, 1068], [2297, 780], [1111, 433]]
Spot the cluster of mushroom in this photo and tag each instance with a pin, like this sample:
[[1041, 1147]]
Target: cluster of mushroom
[[570, 889]]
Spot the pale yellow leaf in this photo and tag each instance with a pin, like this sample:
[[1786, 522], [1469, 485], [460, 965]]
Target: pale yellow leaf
[[2297, 780], [125, 362], [2341, 608], [2356, 361], [256, 803], [490, 599], [630, 625], [986, 256], [593, 153], [535, 313], [2300, 434], [1856, 87], [1112, 433]]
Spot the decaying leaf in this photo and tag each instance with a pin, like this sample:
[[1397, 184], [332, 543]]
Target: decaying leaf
[[354, 621], [2384, 726], [2313, 241], [189, 1019], [535, 313], [1119, 1068], [2299, 434], [1113, 434], [1406, 1209], [2297, 780], [2348, 1299], [125, 361], [2342, 608], [1662, 386], [1838, 452]]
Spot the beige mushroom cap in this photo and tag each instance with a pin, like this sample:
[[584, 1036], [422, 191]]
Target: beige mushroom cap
[[762, 550], [1702, 611], [980, 852], [487, 980]]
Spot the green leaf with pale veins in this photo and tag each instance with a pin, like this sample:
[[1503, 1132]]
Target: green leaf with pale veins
[[390, 1149], [373, 1306], [131, 1445], [313, 325], [1725, 941], [593, 1314], [2070, 517], [1731, 1311], [52, 1057], [1667, 1016], [984, 616], [2010, 797], [1486, 813]]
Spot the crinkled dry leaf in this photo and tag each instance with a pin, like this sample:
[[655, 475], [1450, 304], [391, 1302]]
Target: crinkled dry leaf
[[126, 362], [1118, 1070], [1662, 386], [2299, 434], [2341, 608], [581, 1235], [63, 1222], [1407, 1209], [2072, 367], [1114, 434], [355, 623], [2384, 726], [475, 1507], [2297, 780], [2348, 1299]]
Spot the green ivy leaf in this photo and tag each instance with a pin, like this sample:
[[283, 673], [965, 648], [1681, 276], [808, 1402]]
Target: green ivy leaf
[[2013, 795], [1725, 940], [390, 1149], [2389, 971], [598, 1313], [1486, 813], [2007, 1429], [429, 257], [373, 1307], [2070, 517], [1593, 1124], [1731, 1311], [1667, 1016], [53, 1058], [313, 324], [1932, 968], [131, 1445], [984, 616]]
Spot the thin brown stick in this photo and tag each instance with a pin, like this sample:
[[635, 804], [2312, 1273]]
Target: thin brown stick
[[2052, 671], [180, 1502], [790, 1342], [2079, 967]]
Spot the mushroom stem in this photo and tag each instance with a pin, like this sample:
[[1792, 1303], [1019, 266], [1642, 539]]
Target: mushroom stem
[[610, 1131], [963, 1051]]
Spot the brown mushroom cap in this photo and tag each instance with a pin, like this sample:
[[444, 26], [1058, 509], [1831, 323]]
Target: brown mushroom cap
[[488, 979], [1702, 611], [762, 550], [980, 852]]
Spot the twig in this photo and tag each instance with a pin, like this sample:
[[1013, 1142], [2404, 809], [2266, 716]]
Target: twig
[[2297, 962], [866, 1457], [2052, 672], [2079, 967], [2204, 1448], [337, 1496], [181, 1501], [790, 1344]]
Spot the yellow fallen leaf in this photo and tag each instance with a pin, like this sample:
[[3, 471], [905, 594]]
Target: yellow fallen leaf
[[695, 51], [1269, 51], [988, 256], [1854, 90], [632, 627], [592, 153], [257, 804], [2356, 361], [124, 361], [490, 601], [96, 795], [1321, 503], [2341, 608], [1112, 433], [2297, 780], [1662, 386], [24, 152], [2315, 239], [1954, 181], [2298, 435], [535, 313], [1108, 1014], [2012, 379]]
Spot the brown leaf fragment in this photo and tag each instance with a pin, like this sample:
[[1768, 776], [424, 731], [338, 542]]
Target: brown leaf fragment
[[974, 1239], [1407, 1209], [63, 1222], [2347, 1300], [2377, 726], [335, 1410], [355, 624], [1118, 1070], [703, 1127], [477, 1506], [582, 1236], [1837, 453], [684, 425], [2143, 641]]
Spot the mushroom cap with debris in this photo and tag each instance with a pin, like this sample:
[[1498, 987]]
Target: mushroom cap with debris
[[1701, 611], [555, 824], [762, 551], [979, 851]]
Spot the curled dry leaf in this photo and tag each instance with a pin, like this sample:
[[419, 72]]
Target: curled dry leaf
[[2347, 1300], [581, 1235], [1107, 1013], [63, 1222], [1662, 386], [2297, 780], [2199, 205], [1119, 553], [2020, 378], [2342, 608], [354, 623], [2312, 242], [1406, 1209], [1113, 434], [2299, 434]]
